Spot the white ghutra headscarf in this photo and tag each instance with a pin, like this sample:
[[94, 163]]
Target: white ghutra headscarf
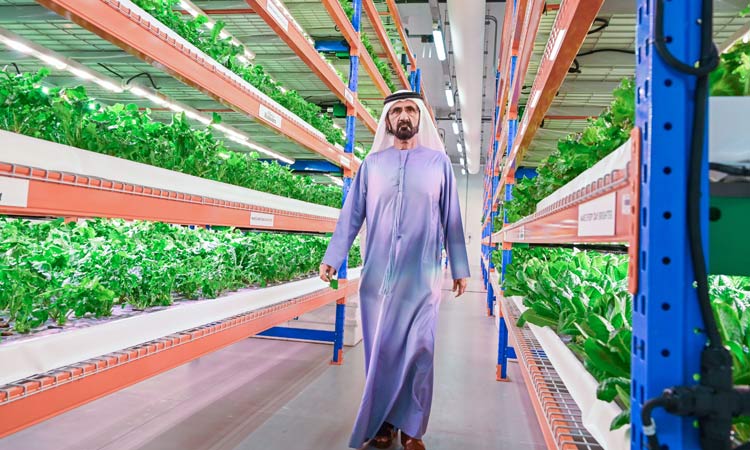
[[427, 135]]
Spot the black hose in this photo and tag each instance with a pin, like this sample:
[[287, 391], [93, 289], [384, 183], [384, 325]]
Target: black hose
[[660, 42], [604, 50], [730, 170], [108, 69], [649, 426], [604, 24], [18, 71], [143, 74]]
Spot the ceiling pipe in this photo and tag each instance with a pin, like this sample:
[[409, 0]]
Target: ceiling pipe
[[467, 21]]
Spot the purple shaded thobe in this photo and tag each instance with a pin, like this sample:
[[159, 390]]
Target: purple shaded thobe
[[410, 202]]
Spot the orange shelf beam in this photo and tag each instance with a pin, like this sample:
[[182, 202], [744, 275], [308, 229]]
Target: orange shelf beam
[[524, 42], [602, 211], [372, 14], [61, 194], [31, 401], [352, 37], [503, 67], [296, 41], [148, 40], [393, 11], [571, 26]]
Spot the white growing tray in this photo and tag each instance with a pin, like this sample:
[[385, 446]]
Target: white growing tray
[[34, 355]]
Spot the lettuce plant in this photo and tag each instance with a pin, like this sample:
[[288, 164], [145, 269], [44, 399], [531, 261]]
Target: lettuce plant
[[228, 54], [583, 297], [53, 271], [69, 116]]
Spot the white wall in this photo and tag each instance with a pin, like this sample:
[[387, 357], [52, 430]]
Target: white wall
[[470, 190]]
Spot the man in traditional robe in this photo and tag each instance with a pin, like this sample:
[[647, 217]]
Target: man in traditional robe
[[405, 190]]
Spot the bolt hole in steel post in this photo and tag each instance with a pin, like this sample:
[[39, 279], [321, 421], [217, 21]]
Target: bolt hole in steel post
[[667, 215], [666, 306]]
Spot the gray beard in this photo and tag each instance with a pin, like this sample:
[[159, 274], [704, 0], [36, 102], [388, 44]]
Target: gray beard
[[405, 134]]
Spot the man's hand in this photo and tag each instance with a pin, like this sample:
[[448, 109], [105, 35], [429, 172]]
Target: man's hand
[[460, 286], [326, 272]]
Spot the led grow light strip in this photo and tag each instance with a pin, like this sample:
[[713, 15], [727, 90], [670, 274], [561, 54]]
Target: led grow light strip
[[138, 14], [59, 62], [195, 11], [338, 181]]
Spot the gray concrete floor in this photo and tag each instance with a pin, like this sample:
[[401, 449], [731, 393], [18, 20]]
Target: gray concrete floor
[[271, 395]]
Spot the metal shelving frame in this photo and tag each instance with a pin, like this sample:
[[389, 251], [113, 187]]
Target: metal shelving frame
[[654, 222], [35, 399]]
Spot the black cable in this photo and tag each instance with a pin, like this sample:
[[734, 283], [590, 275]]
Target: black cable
[[576, 67], [660, 42], [18, 71], [694, 177], [147, 75], [105, 67], [730, 170], [603, 50], [649, 426], [604, 24]]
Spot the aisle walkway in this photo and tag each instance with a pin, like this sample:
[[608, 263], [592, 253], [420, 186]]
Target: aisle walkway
[[271, 395]]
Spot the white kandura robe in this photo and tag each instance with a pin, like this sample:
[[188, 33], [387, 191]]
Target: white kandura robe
[[410, 202]]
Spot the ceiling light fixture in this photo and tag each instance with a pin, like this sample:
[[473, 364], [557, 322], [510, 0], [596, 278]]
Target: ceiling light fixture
[[461, 160], [558, 44], [534, 98], [455, 128], [338, 181], [463, 171], [437, 37], [15, 45], [459, 147], [189, 8], [54, 62], [449, 97], [80, 73]]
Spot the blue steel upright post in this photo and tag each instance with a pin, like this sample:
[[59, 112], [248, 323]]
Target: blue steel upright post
[[503, 349], [666, 355], [351, 121], [491, 190]]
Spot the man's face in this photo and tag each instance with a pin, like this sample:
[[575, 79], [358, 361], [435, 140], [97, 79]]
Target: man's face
[[403, 119]]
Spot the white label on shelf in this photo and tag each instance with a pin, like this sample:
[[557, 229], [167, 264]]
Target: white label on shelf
[[14, 192], [278, 16], [345, 161], [261, 219], [626, 205], [349, 96], [270, 116], [597, 217]]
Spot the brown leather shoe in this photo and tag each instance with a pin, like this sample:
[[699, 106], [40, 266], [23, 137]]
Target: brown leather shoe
[[411, 443], [385, 437]]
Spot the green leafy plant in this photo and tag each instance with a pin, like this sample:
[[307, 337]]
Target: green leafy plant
[[52, 271], [577, 152], [732, 77], [382, 66], [69, 116], [583, 297], [228, 54]]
